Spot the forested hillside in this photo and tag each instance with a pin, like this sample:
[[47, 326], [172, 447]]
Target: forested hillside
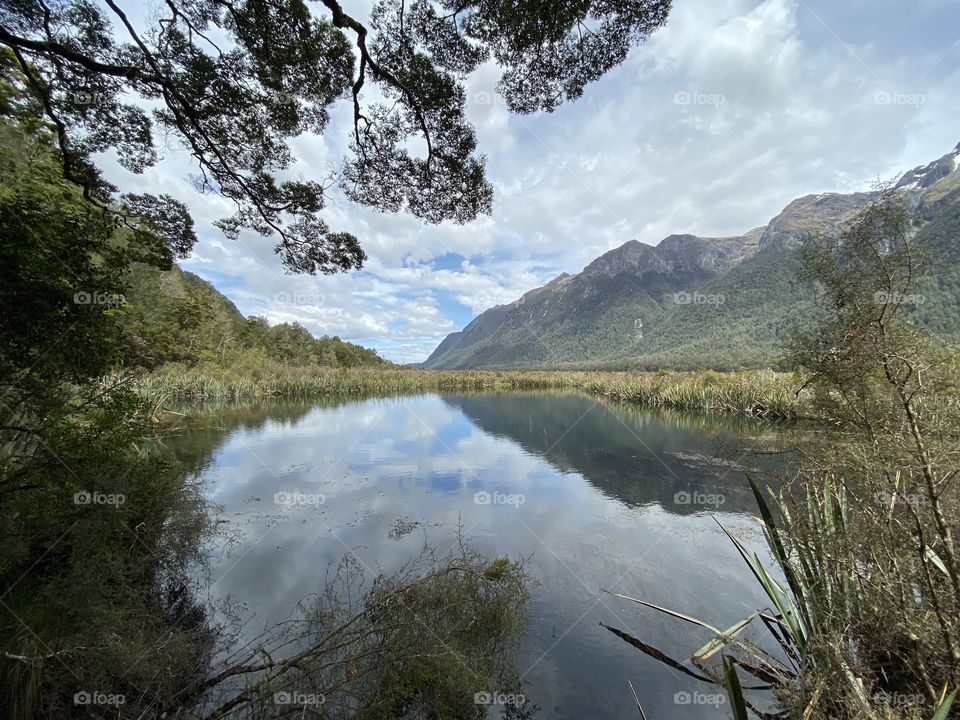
[[175, 316]]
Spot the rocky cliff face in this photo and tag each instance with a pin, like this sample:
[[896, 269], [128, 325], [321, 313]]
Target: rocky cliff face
[[675, 254], [590, 319], [825, 213]]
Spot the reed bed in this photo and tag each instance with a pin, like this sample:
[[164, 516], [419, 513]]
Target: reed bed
[[760, 393]]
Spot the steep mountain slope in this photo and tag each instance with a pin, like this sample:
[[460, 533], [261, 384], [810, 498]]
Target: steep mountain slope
[[703, 302], [607, 307]]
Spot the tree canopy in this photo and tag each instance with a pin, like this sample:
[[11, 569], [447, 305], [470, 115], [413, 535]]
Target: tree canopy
[[232, 82]]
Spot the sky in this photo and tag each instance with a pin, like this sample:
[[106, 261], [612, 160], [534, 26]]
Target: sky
[[711, 127]]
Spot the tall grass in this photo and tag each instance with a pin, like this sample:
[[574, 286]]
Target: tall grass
[[761, 393], [810, 673]]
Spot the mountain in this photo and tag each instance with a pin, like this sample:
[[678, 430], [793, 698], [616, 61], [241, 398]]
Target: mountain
[[689, 301], [605, 451]]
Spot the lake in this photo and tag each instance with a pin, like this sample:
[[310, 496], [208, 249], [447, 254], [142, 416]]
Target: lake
[[596, 496]]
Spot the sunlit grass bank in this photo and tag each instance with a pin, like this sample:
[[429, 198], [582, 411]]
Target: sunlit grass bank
[[763, 393]]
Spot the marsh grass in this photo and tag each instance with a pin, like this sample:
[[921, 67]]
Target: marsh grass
[[759, 393]]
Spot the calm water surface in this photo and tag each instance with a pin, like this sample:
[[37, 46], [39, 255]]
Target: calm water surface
[[598, 496]]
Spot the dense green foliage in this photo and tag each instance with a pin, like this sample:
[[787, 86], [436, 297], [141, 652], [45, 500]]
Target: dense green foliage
[[96, 532], [940, 240], [56, 249], [98, 538]]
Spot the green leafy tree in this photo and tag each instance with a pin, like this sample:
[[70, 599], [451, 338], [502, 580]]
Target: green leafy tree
[[74, 580], [233, 81], [888, 606]]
